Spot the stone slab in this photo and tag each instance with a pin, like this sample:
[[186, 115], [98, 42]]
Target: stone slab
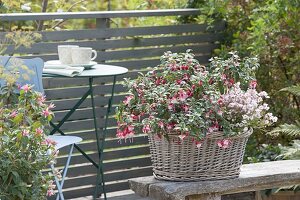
[[253, 177]]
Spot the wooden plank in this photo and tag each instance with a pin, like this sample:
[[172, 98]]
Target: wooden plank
[[89, 190], [82, 114], [78, 159], [90, 134], [100, 101], [126, 32], [81, 170], [129, 32], [111, 144], [155, 52], [75, 92], [112, 176], [87, 124], [97, 14], [51, 47]]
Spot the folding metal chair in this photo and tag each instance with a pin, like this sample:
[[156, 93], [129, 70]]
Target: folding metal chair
[[63, 141]]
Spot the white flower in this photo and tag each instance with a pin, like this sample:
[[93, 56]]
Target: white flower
[[26, 7]]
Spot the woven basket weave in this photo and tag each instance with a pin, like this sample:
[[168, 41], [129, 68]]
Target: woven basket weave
[[184, 161]]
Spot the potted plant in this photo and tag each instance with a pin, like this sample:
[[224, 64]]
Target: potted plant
[[197, 119], [25, 150]]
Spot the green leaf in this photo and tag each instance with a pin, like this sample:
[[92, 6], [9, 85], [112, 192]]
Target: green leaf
[[293, 89], [289, 129]]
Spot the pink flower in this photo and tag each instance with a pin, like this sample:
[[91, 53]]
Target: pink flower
[[220, 112], [224, 143], [49, 142], [128, 99], [181, 137], [171, 106], [41, 99], [13, 114], [46, 112], [25, 133], [39, 131], [50, 193], [51, 106], [128, 131], [231, 82], [198, 144], [161, 124], [184, 67], [253, 84], [134, 117], [146, 128], [200, 83], [223, 77], [182, 95], [170, 126], [185, 107], [26, 88]]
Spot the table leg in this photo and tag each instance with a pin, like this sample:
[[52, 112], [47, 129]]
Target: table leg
[[100, 174]]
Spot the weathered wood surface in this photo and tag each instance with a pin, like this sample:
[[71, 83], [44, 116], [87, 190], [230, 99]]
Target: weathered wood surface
[[253, 177]]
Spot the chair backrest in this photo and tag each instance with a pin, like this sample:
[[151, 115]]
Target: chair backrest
[[33, 68]]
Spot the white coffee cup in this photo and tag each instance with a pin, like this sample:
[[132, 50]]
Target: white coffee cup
[[65, 53], [83, 55]]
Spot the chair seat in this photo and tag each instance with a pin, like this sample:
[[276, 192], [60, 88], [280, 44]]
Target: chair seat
[[62, 141]]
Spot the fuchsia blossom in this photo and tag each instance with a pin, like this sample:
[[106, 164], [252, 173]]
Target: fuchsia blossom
[[161, 124], [128, 99], [184, 67], [198, 144], [146, 128], [134, 117], [171, 106], [13, 114], [128, 131], [170, 126], [253, 84], [182, 95], [49, 142], [39, 131], [46, 112], [25, 133], [51, 106], [181, 137], [224, 143], [41, 99], [26, 88], [185, 107]]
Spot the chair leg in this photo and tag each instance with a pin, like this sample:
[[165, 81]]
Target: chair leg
[[60, 184]]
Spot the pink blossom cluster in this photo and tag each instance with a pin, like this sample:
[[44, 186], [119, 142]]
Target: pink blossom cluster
[[247, 108]]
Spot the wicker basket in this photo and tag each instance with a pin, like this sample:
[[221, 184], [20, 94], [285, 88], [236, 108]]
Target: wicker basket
[[184, 161]]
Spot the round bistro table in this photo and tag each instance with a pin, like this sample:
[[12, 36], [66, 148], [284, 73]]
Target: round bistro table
[[99, 70]]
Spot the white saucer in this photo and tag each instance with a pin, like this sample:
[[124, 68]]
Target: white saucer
[[86, 66]]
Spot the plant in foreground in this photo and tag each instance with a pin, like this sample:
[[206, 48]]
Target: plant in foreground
[[182, 97], [24, 149]]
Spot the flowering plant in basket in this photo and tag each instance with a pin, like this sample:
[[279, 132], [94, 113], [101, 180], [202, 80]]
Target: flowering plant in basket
[[182, 97]]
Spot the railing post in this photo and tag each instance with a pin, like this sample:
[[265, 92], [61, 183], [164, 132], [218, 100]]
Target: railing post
[[102, 23]]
